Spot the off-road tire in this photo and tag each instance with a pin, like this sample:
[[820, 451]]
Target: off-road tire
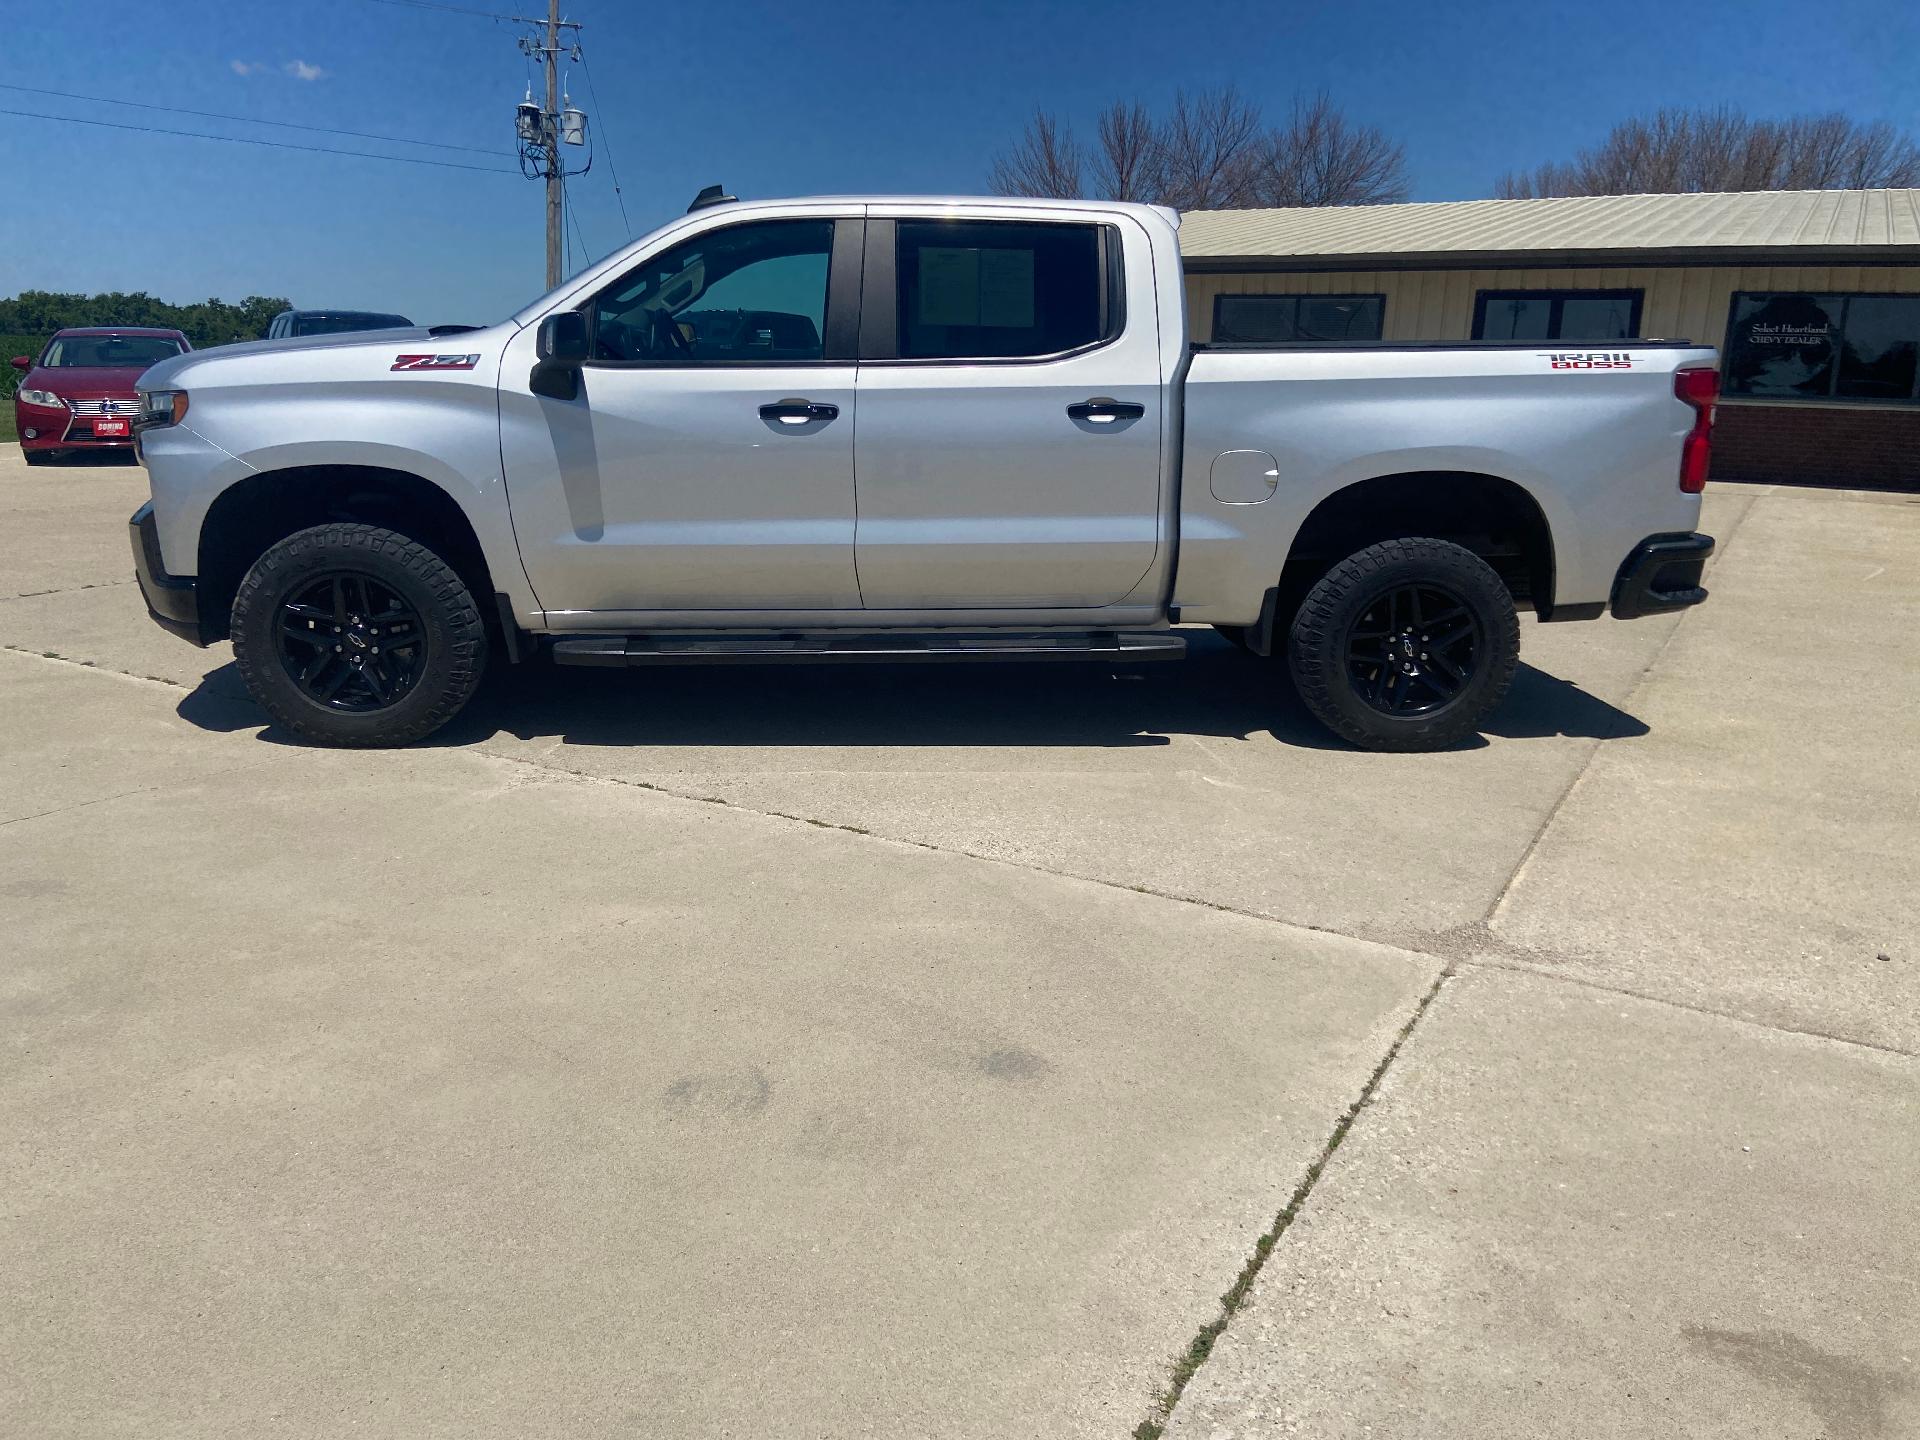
[[1318, 643], [456, 636]]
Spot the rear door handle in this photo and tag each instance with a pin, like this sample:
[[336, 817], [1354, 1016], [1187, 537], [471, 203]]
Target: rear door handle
[[798, 412], [1104, 411]]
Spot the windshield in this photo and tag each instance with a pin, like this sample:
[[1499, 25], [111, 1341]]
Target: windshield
[[340, 324], [109, 352]]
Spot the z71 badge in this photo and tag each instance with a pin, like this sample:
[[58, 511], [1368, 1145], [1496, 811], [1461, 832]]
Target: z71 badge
[[1588, 359], [435, 362]]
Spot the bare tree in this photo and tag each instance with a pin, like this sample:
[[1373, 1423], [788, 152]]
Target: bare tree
[[1319, 157], [1046, 162], [1207, 150], [1126, 157], [1210, 152], [1679, 151]]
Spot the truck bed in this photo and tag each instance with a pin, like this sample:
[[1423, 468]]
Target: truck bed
[[1590, 431]]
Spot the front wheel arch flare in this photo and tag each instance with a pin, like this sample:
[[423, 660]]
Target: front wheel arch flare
[[251, 516]]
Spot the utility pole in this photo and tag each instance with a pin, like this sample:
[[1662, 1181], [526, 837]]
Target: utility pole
[[550, 51], [542, 130]]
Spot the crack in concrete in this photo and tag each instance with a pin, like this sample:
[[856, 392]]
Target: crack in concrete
[[1188, 1364], [95, 667], [1446, 945], [1593, 752], [68, 589], [78, 805], [1543, 969]]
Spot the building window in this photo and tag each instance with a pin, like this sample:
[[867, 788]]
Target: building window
[[1557, 314], [1277, 319], [1823, 347]]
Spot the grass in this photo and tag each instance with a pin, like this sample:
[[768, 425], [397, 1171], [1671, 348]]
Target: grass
[[7, 431]]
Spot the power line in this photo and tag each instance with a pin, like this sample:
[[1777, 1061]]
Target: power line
[[573, 223], [612, 168], [271, 144], [477, 14], [246, 119], [450, 9]]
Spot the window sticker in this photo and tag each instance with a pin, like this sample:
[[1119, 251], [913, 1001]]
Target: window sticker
[[949, 286], [1006, 289], [969, 286]]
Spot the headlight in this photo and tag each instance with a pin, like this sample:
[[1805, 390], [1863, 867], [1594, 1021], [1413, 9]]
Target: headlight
[[42, 397], [162, 407]]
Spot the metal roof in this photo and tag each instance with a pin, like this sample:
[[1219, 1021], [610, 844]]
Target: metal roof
[[1855, 224]]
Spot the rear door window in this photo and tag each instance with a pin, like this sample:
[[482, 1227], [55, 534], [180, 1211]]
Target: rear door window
[[999, 290]]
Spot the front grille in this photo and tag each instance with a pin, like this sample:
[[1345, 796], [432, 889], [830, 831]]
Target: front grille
[[128, 408]]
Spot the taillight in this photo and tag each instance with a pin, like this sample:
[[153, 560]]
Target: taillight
[[1698, 386]]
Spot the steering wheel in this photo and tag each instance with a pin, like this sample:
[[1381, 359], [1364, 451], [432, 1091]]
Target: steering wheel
[[676, 342]]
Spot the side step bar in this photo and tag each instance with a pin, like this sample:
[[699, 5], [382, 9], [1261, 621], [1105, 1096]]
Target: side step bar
[[840, 649]]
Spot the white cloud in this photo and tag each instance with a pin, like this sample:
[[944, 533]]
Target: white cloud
[[244, 67], [301, 70]]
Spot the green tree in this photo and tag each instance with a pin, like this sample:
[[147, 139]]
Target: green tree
[[209, 322]]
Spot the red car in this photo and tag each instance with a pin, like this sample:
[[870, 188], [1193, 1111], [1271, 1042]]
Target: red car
[[79, 394]]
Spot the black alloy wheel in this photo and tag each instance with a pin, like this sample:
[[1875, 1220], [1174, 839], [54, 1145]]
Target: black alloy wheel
[[352, 634], [1413, 649], [351, 643], [1408, 644]]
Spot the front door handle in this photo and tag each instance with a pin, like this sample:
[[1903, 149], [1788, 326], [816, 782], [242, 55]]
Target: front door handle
[[1102, 411], [798, 412]]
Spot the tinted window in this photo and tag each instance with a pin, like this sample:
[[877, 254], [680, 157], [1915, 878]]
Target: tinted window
[[1557, 315], [346, 322], [1878, 346], [1276, 319], [1598, 317], [109, 351], [1515, 317], [991, 289], [1823, 347], [749, 294]]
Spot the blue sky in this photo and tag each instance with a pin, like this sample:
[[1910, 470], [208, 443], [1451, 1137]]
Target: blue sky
[[782, 99]]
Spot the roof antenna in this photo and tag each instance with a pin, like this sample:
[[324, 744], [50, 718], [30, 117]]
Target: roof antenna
[[711, 196]]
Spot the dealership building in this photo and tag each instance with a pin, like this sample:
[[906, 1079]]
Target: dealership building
[[1813, 298]]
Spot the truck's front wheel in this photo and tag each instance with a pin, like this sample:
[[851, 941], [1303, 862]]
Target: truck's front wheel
[[354, 635], [1405, 645]]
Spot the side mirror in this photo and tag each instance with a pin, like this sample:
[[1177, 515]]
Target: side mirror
[[22, 362], [562, 348]]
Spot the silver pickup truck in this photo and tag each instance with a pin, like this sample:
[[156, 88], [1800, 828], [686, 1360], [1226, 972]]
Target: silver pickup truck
[[884, 429]]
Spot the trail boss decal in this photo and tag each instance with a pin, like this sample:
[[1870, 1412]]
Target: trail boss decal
[[1577, 359], [435, 362]]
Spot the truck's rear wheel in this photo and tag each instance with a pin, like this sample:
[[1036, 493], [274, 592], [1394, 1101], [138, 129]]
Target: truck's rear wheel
[[355, 635], [1405, 645]]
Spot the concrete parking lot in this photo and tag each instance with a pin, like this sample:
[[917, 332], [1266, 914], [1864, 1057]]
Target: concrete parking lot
[[927, 1052]]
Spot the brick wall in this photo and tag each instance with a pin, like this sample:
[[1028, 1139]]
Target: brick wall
[[1817, 445]]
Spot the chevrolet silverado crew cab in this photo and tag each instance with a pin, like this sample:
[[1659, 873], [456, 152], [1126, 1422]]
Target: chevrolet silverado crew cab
[[893, 429]]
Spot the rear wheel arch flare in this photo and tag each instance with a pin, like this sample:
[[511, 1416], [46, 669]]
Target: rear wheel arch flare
[[1495, 518]]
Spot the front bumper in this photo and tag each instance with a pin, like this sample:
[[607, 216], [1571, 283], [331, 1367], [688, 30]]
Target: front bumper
[[1661, 573], [172, 600], [62, 430]]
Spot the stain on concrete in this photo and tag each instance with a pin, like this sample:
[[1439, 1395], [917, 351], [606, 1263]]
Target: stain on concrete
[[1014, 1062], [32, 889], [1851, 1398], [742, 1092]]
